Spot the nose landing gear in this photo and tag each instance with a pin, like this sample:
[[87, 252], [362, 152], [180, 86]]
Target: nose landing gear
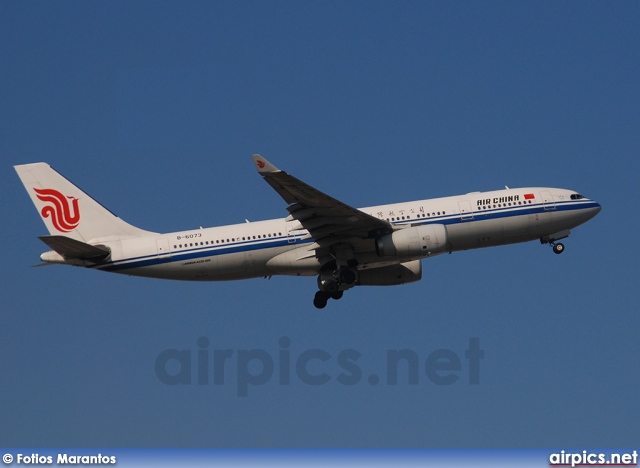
[[551, 239]]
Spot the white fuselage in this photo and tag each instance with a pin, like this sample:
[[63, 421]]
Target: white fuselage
[[265, 248]]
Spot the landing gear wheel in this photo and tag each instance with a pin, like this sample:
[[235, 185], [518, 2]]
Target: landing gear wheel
[[320, 299], [347, 276], [337, 295], [558, 248], [331, 287]]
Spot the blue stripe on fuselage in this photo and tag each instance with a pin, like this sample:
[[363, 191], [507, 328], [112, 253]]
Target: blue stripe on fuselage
[[282, 241], [200, 252]]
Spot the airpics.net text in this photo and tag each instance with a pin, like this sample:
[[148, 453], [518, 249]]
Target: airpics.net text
[[254, 367]]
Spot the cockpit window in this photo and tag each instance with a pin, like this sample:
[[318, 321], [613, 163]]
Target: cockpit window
[[577, 196]]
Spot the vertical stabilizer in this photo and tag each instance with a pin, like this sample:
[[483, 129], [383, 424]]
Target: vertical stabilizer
[[68, 211]]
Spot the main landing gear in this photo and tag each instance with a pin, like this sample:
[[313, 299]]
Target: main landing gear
[[322, 297], [557, 248], [332, 286]]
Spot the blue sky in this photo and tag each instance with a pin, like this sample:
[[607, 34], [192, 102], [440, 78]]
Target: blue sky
[[155, 108]]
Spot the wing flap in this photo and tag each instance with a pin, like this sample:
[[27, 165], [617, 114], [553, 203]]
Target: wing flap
[[325, 217]]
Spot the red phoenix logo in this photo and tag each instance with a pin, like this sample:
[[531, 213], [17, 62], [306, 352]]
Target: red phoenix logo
[[260, 164], [64, 216]]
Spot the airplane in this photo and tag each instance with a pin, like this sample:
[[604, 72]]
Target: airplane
[[342, 246]]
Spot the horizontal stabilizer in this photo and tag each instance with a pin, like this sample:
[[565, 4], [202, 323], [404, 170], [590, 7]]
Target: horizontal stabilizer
[[71, 248]]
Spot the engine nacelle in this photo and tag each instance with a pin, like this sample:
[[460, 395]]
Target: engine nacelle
[[418, 241], [391, 275]]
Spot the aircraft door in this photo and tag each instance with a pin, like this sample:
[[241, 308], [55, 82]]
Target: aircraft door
[[290, 235], [547, 200], [163, 248], [466, 214]]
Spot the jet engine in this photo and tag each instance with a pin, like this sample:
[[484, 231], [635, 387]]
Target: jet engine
[[418, 241]]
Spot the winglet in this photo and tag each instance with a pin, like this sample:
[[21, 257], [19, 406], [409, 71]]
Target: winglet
[[263, 165]]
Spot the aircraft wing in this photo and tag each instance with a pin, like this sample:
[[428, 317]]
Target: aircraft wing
[[329, 221]]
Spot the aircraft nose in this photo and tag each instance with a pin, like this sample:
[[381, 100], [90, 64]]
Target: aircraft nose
[[594, 210]]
